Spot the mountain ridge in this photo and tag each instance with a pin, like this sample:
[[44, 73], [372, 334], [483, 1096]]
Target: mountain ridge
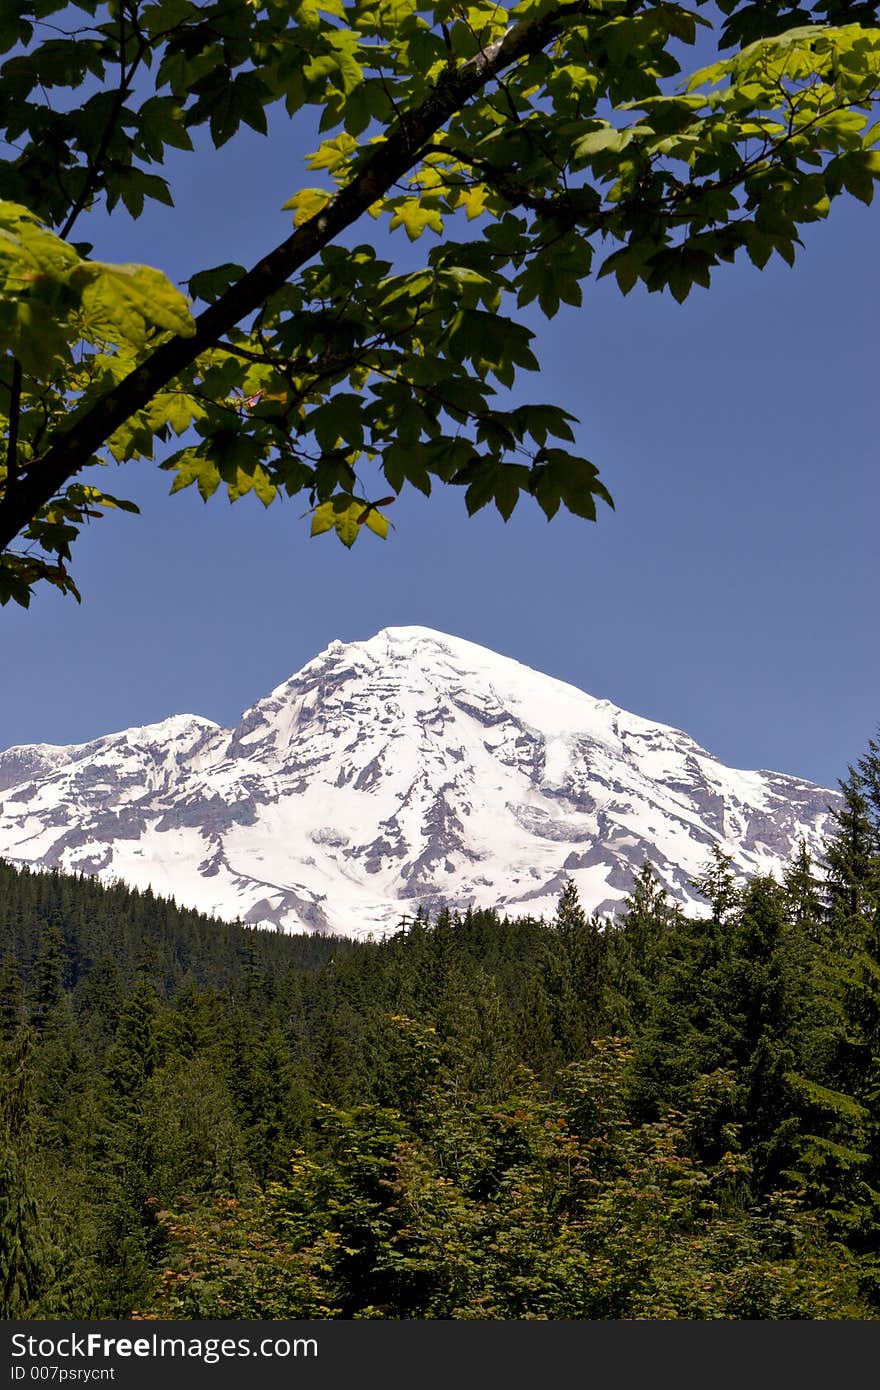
[[399, 773]]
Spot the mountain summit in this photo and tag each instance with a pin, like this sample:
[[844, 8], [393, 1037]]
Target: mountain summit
[[406, 771]]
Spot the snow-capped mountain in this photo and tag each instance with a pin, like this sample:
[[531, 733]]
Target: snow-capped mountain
[[413, 769]]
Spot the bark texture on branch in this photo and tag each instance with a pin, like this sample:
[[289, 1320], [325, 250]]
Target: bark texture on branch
[[382, 167]]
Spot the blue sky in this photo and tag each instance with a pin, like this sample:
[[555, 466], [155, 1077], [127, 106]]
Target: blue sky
[[733, 593]]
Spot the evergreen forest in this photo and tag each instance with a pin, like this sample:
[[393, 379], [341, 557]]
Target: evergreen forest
[[653, 1117]]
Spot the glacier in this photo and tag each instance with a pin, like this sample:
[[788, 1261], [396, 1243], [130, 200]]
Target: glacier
[[398, 774]]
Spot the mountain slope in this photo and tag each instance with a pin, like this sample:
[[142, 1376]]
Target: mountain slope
[[408, 770]]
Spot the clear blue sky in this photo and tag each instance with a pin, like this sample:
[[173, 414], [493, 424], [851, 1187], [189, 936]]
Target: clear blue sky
[[733, 593]]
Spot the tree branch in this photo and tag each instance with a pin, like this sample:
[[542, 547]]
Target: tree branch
[[14, 417], [93, 168], [382, 166]]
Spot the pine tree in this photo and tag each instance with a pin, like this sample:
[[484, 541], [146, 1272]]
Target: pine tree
[[126, 1169], [839, 1159], [22, 1262], [869, 777], [476, 1032], [717, 884], [727, 1001], [23, 1265], [11, 999], [535, 1029], [803, 894], [47, 989], [254, 980], [98, 1001], [576, 975], [852, 862], [638, 946], [134, 1055], [766, 976], [273, 1101], [570, 917]]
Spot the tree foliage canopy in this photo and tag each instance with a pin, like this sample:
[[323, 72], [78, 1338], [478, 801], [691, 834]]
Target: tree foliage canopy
[[649, 1117], [526, 147]]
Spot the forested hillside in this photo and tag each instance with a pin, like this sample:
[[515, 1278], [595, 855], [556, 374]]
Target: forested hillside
[[656, 1117]]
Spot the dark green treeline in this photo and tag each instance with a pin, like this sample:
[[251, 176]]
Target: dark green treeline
[[658, 1117]]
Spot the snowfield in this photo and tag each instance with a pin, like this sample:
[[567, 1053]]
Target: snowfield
[[406, 771]]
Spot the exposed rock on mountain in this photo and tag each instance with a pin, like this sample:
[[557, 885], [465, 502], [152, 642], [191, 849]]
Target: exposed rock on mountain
[[408, 770]]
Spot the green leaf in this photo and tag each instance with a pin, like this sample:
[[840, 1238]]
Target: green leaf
[[347, 523], [562, 478], [377, 523], [410, 214], [35, 337], [307, 204], [241, 484], [210, 284], [333, 155], [627, 265], [601, 141], [192, 466], [162, 120], [323, 518], [83, 495], [129, 300], [507, 490], [179, 410], [859, 175], [264, 488]]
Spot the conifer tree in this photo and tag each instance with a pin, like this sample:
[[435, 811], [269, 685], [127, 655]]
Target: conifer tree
[[254, 980], [766, 977], [869, 777], [638, 946], [24, 1271], [641, 1180], [852, 862], [98, 1001], [273, 1101], [727, 1002], [135, 1052], [22, 1263], [717, 884], [838, 1162], [570, 917], [126, 1171], [803, 890], [11, 999], [476, 1032], [576, 974], [536, 1028], [47, 989]]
